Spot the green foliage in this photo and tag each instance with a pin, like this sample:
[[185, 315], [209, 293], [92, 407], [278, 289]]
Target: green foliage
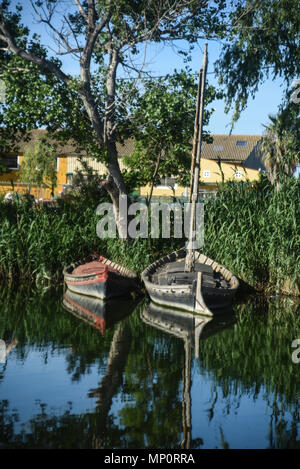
[[262, 40], [3, 169], [254, 231], [249, 228], [281, 144], [162, 123], [87, 189], [39, 165], [36, 97]]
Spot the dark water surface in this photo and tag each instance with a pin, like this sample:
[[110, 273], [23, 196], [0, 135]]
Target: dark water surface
[[151, 380]]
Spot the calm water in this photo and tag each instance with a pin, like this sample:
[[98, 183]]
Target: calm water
[[149, 380]]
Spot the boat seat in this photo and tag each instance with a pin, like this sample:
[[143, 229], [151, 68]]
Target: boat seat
[[179, 267]]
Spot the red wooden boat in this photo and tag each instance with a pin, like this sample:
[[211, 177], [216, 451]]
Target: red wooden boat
[[101, 278]]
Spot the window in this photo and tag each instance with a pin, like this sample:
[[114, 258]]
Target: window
[[206, 173], [241, 143], [238, 174], [11, 162], [69, 178]]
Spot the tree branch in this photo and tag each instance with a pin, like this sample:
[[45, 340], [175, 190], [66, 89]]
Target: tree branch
[[45, 64], [47, 20], [81, 11]]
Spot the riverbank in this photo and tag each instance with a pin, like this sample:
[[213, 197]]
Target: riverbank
[[252, 230]]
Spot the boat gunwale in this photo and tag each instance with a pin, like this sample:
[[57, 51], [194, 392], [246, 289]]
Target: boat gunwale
[[173, 256], [120, 270]]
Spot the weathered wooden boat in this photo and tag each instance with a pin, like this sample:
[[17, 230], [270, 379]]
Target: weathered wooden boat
[[101, 278], [100, 314], [208, 289], [187, 279]]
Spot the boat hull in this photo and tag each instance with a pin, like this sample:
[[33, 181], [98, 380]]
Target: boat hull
[[194, 297], [102, 289], [112, 281]]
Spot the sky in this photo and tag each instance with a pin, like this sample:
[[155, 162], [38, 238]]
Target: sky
[[162, 60], [266, 101]]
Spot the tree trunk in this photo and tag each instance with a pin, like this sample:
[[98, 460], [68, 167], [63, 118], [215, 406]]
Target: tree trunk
[[105, 131], [117, 190]]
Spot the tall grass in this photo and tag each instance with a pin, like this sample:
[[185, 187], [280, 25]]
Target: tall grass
[[252, 230], [37, 242]]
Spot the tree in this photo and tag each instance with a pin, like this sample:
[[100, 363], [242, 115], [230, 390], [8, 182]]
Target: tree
[[162, 124], [261, 40], [101, 35], [106, 35], [281, 145], [39, 165]]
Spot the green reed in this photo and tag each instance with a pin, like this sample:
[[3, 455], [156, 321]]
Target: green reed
[[251, 229], [254, 231]]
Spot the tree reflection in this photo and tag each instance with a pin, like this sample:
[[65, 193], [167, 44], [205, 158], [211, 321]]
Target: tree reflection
[[145, 370]]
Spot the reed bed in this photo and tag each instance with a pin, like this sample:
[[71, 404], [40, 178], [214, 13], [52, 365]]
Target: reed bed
[[254, 231], [251, 229]]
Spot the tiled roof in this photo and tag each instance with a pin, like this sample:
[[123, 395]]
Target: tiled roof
[[69, 148], [231, 148]]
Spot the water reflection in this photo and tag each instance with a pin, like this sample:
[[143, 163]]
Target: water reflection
[[152, 379], [100, 314], [190, 328]]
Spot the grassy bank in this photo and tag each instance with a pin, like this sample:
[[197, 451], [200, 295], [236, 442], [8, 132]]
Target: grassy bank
[[254, 231]]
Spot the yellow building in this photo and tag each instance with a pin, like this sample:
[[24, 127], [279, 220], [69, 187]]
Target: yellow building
[[229, 157], [67, 164], [210, 176], [10, 180]]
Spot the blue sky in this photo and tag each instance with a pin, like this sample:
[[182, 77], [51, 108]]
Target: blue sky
[[266, 101], [162, 60]]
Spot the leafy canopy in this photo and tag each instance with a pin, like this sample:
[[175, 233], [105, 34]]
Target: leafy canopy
[[162, 124], [262, 41]]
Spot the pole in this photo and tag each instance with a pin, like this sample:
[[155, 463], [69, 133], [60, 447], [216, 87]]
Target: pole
[[189, 262], [196, 132]]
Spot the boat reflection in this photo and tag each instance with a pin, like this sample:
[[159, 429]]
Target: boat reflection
[[191, 328], [187, 326], [100, 314]]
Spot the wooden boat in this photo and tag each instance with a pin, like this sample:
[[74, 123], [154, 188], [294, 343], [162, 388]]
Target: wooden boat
[[100, 314], [187, 279], [101, 278], [207, 290]]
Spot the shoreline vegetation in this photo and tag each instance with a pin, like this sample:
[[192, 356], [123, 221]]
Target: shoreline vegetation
[[250, 228]]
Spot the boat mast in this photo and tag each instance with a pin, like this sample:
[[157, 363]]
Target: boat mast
[[190, 258], [196, 130]]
